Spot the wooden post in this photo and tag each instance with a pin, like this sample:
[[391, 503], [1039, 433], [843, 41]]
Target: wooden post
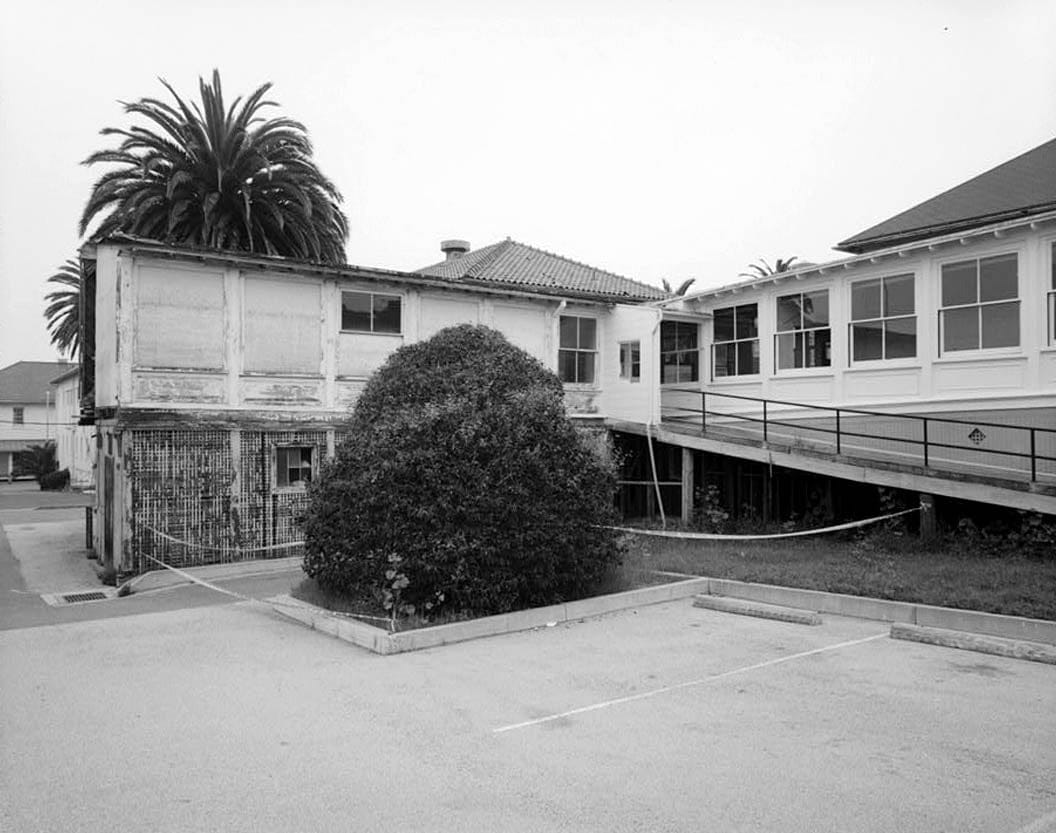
[[767, 495], [688, 479], [928, 529]]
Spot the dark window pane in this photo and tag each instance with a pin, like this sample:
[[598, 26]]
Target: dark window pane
[[690, 362], [747, 357], [1001, 325], [668, 336], [724, 361], [584, 367], [569, 331], [724, 328], [997, 278], [898, 295], [815, 309], [867, 341], [789, 350], [669, 368], [748, 321], [587, 334], [788, 315], [960, 329], [958, 284], [1053, 265], [386, 313], [865, 300], [900, 338], [355, 311], [819, 348], [687, 336], [566, 365]]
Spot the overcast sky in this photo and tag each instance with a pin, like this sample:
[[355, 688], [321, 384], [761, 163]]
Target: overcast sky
[[653, 139]]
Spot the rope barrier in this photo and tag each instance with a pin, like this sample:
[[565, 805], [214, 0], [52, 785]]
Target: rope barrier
[[236, 549], [708, 536]]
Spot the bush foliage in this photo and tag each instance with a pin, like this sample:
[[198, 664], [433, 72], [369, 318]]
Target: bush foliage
[[462, 486]]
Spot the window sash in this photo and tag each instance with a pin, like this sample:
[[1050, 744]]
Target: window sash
[[371, 312], [732, 356], [576, 367], [977, 335], [631, 360], [18, 416], [679, 352], [799, 349], [293, 466], [883, 326]]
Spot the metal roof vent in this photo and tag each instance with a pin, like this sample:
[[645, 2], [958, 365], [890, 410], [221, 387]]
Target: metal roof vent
[[454, 248]]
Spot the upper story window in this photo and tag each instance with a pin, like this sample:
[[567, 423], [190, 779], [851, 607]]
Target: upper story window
[[18, 416], [631, 361], [980, 304], [371, 312], [679, 352], [578, 351], [735, 351], [1052, 296], [803, 337], [883, 320], [293, 466]]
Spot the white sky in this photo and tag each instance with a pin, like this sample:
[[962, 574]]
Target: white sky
[[654, 139]]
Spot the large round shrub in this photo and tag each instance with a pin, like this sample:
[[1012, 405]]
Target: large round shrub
[[463, 479]]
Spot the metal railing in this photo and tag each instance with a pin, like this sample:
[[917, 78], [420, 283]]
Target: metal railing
[[930, 438]]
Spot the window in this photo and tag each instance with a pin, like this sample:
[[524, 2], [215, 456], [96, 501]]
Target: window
[[735, 351], [803, 336], [679, 356], [883, 323], [370, 312], [980, 304], [1052, 296], [631, 360], [578, 349], [18, 416], [293, 466]]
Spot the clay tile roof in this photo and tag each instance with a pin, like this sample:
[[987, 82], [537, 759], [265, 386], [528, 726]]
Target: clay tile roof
[[1022, 186], [29, 382], [514, 264]]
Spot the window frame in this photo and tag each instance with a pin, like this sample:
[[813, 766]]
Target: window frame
[[578, 349], [371, 294], [18, 415], [883, 318], [802, 332], [678, 351], [1050, 297], [979, 349], [715, 343], [300, 484], [630, 361]]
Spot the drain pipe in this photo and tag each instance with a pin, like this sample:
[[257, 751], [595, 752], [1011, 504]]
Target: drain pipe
[[649, 430]]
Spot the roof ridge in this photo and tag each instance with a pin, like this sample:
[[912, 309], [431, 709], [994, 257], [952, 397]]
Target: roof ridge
[[497, 249], [585, 265]]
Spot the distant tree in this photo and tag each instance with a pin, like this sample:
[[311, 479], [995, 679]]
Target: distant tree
[[765, 269], [682, 287], [63, 310], [220, 177]]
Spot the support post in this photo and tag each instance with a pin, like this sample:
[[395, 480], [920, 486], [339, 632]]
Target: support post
[[928, 526], [688, 479]]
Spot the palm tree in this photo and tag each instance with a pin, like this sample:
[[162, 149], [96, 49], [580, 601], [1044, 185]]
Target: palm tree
[[219, 177], [766, 269], [682, 287], [63, 310]]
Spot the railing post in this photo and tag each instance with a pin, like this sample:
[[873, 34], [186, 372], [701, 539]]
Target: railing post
[[765, 432], [1033, 459], [925, 421], [703, 411], [837, 430]]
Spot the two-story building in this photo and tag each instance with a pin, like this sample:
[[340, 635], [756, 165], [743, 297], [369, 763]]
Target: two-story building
[[27, 409]]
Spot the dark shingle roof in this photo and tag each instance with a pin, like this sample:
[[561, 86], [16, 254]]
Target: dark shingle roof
[[1022, 186], [28, 382], [514, 264]]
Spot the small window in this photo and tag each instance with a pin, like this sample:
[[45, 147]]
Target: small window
[[631, 360], [18, 416], [679, 353], [735, 351], [293, 466], [578, 349], [803, 336], [980, 304], [1052, 296], [883, 323], [371, 312]]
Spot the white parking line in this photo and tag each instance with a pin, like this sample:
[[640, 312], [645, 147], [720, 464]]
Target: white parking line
[[653, 692]]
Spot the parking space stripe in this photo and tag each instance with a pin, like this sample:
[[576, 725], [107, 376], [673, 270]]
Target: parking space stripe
[[642, 695]]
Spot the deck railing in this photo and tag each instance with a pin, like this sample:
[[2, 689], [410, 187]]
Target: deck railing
[[963, 445]]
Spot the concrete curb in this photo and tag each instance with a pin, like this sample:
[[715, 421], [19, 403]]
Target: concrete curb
[[863, 607], [757, 609], [1013, 648], [157, 579], [382, 642]]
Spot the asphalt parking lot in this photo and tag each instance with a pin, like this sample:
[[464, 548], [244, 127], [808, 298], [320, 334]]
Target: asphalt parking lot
[[664, 718]]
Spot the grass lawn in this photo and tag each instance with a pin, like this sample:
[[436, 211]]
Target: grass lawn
[[882, 565]]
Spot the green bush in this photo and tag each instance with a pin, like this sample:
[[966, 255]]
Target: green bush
[[41, 461], [462, 486], [55, 481]]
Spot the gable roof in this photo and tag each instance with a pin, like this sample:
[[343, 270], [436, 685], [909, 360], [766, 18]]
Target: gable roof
[[1022, 186], [29, 382], [510, 263]]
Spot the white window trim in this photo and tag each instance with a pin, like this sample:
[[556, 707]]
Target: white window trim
[[300, 485], [701, 353], [851, 321], [979, 352], [592, 385], [716, 343], [371, 293], [813, 370], [630, 377]]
